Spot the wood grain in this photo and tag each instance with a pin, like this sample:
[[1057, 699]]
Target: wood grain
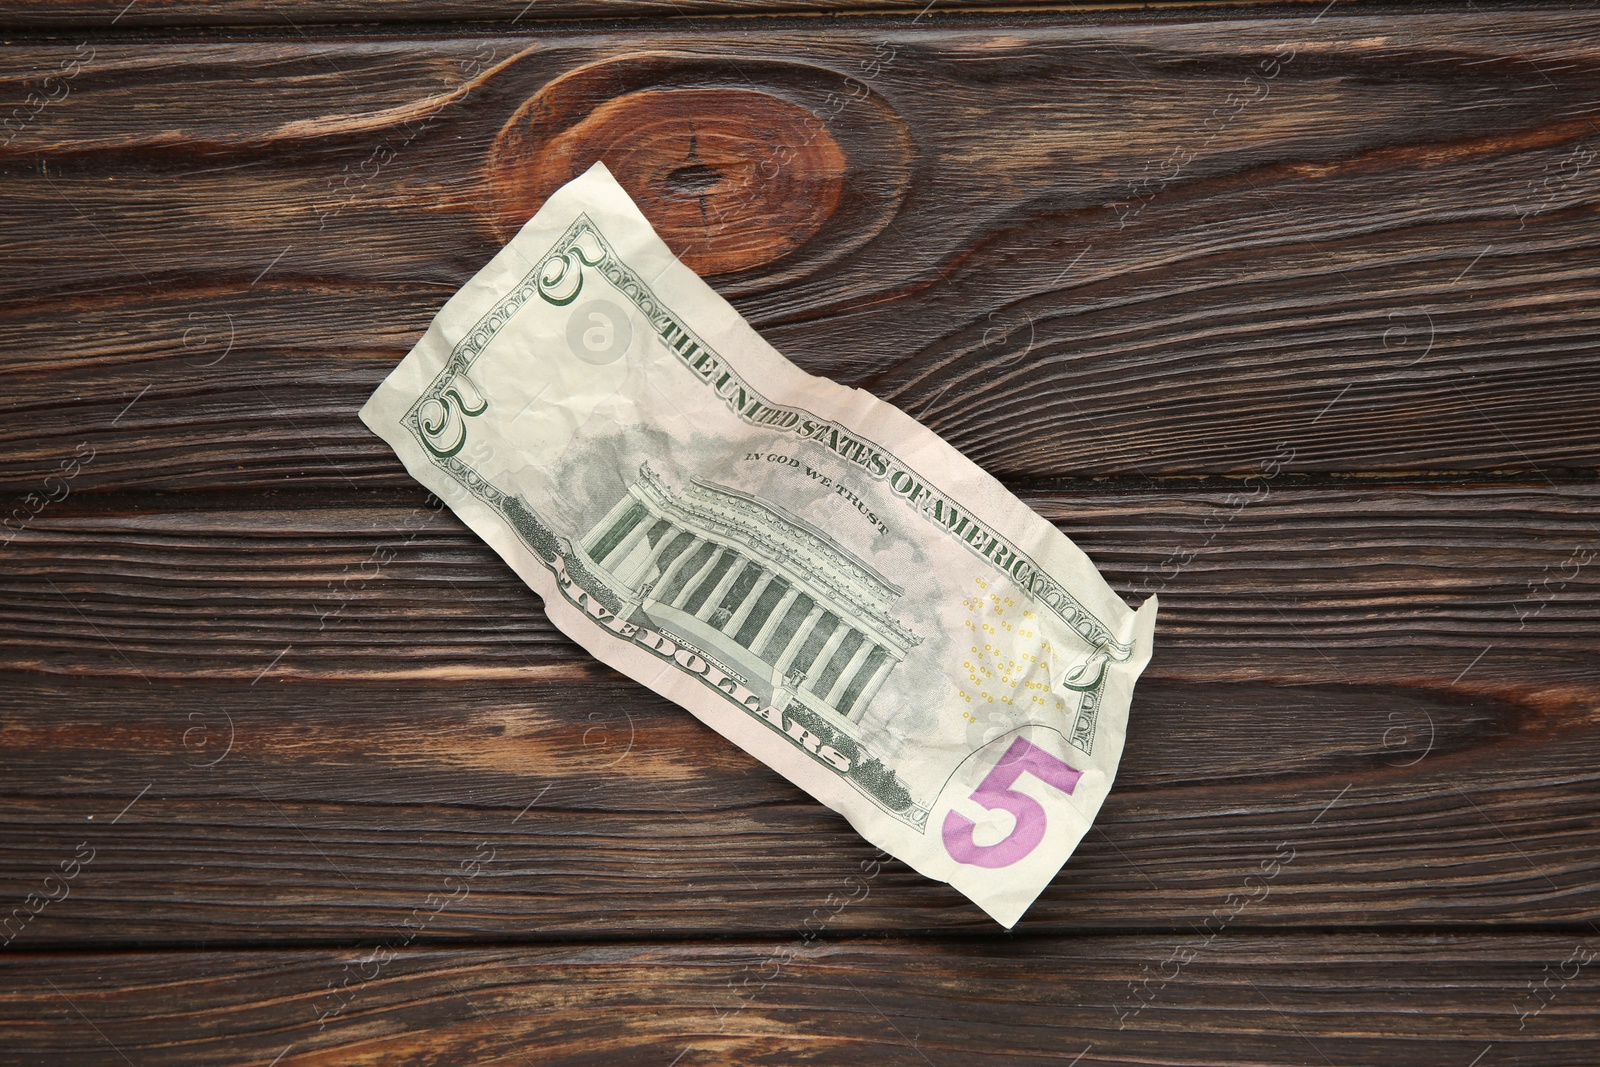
[[1270, 578], [1424, 656], [106, 14], [1351, 999], [1287, 314], [337, 809], [1380, 257]]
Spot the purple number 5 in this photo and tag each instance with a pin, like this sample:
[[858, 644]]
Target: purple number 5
[[996, 794]]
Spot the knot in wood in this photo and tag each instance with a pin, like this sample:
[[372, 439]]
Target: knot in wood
[[731, 178]]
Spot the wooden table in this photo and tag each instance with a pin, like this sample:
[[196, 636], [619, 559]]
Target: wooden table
[[1288, 313]]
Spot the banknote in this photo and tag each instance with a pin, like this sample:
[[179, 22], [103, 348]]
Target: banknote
[[805, 568]]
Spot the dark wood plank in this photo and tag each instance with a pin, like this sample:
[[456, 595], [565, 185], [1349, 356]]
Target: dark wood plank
[[337, 809], [386, 587], [106, 14], [1422, 658], [1073, 249], [1491, 1001]]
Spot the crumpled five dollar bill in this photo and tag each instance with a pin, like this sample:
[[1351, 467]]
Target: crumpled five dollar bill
[[807, 569]]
